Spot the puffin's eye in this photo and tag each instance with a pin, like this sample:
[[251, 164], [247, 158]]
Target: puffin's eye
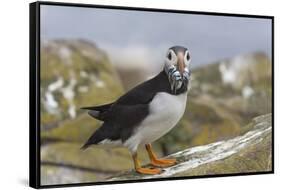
[[187, 56], [169, 56]]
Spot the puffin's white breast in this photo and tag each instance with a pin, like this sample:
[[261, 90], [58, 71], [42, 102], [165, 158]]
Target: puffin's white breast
[[165, 110]]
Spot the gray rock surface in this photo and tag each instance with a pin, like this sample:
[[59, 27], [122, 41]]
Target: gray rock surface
[[250, 152]]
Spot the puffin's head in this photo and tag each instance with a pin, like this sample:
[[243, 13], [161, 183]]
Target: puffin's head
[[177, 63]]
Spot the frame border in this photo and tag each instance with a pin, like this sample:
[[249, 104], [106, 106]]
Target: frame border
[[34, 92], [34, 95]]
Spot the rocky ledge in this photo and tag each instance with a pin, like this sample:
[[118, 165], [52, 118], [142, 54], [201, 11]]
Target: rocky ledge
[[250, 152]]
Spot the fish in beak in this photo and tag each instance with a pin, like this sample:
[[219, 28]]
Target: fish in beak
[[176, 68]]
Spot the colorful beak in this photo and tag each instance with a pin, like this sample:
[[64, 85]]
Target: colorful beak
[[180, 62]]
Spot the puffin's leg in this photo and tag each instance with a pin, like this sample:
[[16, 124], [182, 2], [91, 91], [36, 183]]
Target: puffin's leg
[[142, 170], [158, 162]]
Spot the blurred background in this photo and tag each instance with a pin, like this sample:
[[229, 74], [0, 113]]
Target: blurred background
[[92, 56]]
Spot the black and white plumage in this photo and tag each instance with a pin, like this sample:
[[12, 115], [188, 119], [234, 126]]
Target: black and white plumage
[[148, 111]]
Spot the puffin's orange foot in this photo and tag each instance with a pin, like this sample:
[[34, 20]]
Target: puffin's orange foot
[[149, 171], [163, 162]]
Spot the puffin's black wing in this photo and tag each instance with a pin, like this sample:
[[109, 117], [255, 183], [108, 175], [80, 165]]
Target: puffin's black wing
[[119, 125], [123, 115], [141, 94], [144, 93], [98, 112]]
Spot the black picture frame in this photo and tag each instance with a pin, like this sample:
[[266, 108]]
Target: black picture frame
[[34, 92]]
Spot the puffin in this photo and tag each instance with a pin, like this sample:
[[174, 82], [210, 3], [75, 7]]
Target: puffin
[[146, 112]]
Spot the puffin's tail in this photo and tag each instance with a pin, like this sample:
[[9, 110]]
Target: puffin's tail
[[99, 135], [98, 112], [84, 146], [90, 141]]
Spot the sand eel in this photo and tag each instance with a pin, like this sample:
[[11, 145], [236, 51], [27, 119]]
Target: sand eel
[[146, 112]]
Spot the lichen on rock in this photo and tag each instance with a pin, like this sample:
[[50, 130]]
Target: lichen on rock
[[250, 152]]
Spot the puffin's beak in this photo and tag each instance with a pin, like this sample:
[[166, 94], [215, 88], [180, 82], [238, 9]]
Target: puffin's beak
[[180, 62]]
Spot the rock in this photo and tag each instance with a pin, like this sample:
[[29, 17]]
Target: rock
[[219, 106], [74, 73], [52, 175], [93, 164], [251, 152], [241, 84], [67, 163], [95, 158]]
